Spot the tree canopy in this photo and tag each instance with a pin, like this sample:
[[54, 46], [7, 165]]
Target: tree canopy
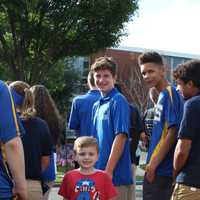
[[36, 34]]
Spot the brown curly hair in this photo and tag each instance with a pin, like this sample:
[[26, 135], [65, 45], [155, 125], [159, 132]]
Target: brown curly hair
[[47, 110]]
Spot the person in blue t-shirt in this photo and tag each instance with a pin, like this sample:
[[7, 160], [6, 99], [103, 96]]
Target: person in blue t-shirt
[[111, 119], [11, 150], [158, 179], [187, 157], [36, 141], [81, 109]]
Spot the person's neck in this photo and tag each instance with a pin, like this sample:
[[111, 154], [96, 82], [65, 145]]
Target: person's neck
[[86, 171], [162, 85], [195, 91]]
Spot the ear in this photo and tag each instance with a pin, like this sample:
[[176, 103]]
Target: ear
[[163, 70], [190, 84]]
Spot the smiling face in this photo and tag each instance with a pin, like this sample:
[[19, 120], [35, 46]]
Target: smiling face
[[86, 158], [104, 80], [153, 74]]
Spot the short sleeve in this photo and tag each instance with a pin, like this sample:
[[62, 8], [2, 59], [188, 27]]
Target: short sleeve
[[8, 120], [120, 114], [64, 190], [189, 122]]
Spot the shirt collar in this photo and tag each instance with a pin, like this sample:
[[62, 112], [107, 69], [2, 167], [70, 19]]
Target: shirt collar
[[109, 95], [93, 92]]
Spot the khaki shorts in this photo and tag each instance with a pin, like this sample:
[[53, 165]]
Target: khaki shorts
[[183, 192], [125, 192], [34, 190]]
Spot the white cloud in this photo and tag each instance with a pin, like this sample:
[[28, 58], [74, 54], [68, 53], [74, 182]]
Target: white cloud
[[171, 26]]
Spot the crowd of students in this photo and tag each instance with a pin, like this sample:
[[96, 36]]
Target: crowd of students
[[108, 129]]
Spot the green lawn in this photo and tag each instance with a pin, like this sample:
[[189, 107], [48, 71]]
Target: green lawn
[[61, 171]]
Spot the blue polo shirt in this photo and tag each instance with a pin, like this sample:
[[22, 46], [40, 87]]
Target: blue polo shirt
[[168, 113], [81, 112], [190, 130], [111, 117], [8, 130]]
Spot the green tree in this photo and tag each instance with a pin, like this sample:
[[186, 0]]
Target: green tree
[[64, 81], [36, 34]]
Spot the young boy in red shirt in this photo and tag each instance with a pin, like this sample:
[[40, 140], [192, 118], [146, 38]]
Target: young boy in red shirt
[[87, 182]]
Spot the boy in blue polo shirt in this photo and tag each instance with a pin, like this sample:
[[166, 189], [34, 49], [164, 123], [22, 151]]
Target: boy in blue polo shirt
[[158, 180], [187, 157], [111, 117]]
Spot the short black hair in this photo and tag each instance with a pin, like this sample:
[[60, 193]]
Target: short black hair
[[150, 57], [188, 71]]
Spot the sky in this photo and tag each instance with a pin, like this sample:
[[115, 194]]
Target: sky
[[169, 25]]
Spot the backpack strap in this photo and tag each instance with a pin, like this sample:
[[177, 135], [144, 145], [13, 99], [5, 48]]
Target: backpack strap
[[3, 161]]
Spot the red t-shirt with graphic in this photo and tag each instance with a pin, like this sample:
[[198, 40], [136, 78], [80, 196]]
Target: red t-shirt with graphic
[[96, 186]]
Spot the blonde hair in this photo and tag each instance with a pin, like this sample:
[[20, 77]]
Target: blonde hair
[[85, 141], [27, 108]]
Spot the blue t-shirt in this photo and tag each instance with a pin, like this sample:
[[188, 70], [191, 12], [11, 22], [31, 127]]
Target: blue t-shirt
[[8, 130], [81, 112], [111, 117], [37, 142], [190, 130], [168, 113]]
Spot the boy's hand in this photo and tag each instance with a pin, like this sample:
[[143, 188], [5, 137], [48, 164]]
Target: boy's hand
[[20, 193], [150, 173]]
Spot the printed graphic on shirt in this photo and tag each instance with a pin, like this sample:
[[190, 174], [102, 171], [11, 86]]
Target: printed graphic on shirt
[[158, 112], [86, 189]]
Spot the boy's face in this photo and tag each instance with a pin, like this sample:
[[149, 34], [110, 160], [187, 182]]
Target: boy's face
[[152, 74], [185, 89], [86, 157], [104, 80]]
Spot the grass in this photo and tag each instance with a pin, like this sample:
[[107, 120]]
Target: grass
[[60, 173], [62, 170]]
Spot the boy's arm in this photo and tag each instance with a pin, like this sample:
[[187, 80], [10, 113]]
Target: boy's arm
[[165, 147], [116, 152], [181, 154], [15, 159]]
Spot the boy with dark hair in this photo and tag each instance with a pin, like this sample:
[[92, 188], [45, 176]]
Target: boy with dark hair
[[187, 157], [168, 113], [87, 182], [111, 119]]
